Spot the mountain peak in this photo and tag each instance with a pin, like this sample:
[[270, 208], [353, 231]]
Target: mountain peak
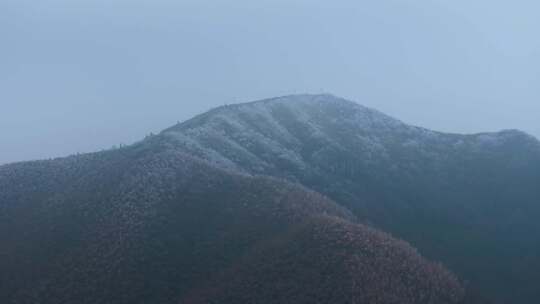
[[305, 101], [305, 98], [297, 131], [307, 107]]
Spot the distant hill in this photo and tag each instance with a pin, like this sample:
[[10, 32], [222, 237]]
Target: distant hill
[[472, 201]]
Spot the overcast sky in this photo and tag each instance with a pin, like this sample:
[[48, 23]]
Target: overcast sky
[[79, 76]]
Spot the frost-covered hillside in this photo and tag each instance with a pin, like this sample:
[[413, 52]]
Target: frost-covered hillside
[[471, 200], [282, 200], [297, 131]]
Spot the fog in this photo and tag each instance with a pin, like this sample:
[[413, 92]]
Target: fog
[[80, 76]]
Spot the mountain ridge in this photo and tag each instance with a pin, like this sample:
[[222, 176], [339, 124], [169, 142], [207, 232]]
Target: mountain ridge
[[469, 201], [392, 175], [328, 97]]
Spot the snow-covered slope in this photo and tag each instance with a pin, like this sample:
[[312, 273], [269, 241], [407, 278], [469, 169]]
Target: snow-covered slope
[[433, 189], [297, 131], [263, 132]]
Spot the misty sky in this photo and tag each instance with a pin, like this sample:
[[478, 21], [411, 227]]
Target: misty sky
[[79, 76]]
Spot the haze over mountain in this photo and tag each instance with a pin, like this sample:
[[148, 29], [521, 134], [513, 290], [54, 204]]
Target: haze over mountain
[[281, 200], [113, 71]]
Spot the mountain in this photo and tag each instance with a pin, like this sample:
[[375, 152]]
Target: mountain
[[282, 200], [470, 201], [149, 223]]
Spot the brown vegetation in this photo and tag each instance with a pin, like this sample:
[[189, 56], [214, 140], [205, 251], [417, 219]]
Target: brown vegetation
[[146, 224]]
